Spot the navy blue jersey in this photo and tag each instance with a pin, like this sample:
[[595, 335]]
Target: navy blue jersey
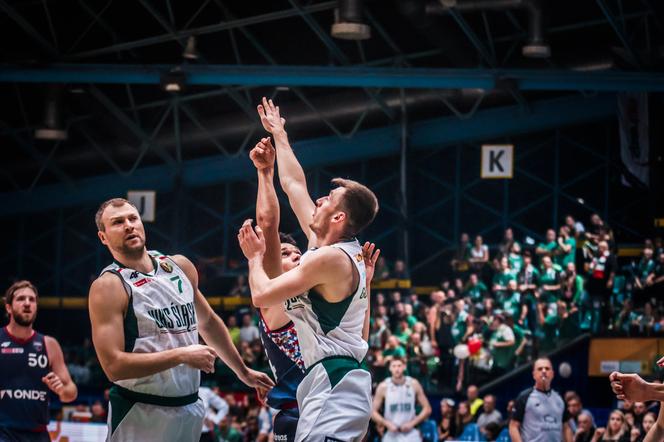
[[283, 352], [23, 396]]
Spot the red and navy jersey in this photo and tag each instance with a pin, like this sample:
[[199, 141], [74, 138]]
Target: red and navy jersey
[[283, 352], [23, 396]]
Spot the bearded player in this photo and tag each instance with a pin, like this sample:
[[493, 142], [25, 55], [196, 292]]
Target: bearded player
[[31, 364]]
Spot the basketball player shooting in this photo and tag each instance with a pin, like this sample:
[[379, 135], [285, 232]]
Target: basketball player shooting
[[326, 294]]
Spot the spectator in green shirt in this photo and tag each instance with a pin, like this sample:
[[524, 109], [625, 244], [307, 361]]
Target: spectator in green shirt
[[475, 289], [511, 303], [515, 259], [566, 251], [549, 246], [501, 345], [573, 287], [549, 321], [393, 348], [549, 281], [501, 278]]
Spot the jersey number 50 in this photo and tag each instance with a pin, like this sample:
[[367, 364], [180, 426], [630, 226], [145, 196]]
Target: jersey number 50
[[34, 360]]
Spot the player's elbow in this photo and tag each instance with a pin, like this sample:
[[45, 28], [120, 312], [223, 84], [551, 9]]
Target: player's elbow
[[259, 298], [266, 219]]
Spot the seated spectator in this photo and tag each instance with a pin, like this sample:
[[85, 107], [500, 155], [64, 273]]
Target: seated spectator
[[241, 288], [644, 322], [656, 278], [399, 271], [625, 318], [616, 429], [644, 269], [549, 321], [248, 332], [393, 349], [639, 412], [460, 262], [98, 412], [475, 289], [447, 425], [501, 278], [489, 413], [549, 281], [585, 429], [473, 400], [507, 243], [479, 253], [515, 259], [576, 228], [549, 246], [649, 420], [382, 271], [378, 333], [572, 287], [463, 418], [575, 410], [511, 302], [501, 345], [491, 431], [566, 250], [411, 319], [227, 432], [528, 280], [233, 329]]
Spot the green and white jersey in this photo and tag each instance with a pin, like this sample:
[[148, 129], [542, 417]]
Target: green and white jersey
[[327, 329], [160, 316], [399, 401]]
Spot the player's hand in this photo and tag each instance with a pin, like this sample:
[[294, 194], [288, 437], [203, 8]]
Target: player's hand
[[199, 356], [391, 427], [630, 386], [251, 242], [270, 117], [257, 380], [406, 428], [263, 154], [53, 382], [370, 254]]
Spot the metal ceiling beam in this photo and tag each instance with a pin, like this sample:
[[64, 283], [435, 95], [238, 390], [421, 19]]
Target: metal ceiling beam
[[335, 76], [28, 28], [223, 26], [429, 134], [619, 32]]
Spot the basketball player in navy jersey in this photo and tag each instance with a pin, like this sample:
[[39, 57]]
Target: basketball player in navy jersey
[[30, 365], [277, 329]]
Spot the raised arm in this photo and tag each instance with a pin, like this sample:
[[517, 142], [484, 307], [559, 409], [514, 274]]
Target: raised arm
[[291, 174], [59, 380], [216, 335], [267, 205], [108, 304]]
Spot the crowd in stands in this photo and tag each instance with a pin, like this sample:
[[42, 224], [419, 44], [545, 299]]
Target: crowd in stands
[[497, 308], [478, 418]]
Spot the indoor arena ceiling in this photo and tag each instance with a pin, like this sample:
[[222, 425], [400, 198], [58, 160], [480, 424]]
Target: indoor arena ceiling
[[434, 59]]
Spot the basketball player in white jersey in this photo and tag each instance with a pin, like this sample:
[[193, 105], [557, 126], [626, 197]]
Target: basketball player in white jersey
[[326, 295], [147, 314], [400, 392]]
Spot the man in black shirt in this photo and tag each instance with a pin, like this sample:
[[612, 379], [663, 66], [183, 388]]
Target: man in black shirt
[[539, 412]]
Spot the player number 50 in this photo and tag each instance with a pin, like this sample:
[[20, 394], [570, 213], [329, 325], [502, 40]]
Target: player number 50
[[34, 360]]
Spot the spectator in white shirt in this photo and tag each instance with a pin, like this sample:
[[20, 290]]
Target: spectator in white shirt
[[248, 332], [216, 410]]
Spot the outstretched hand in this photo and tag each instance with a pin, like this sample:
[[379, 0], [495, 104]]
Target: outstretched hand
[[251, 242], [630, 387], [370, 254], [270, 117], [263, 154]]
